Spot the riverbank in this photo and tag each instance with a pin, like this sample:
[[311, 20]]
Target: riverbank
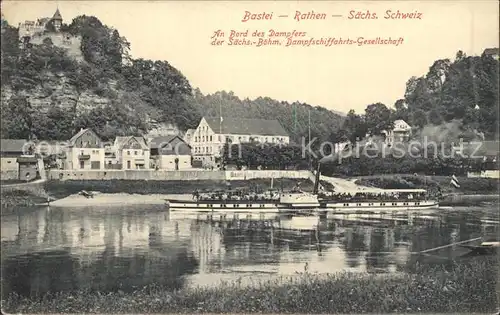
[[468, 185], [19, 198], [461, 287]]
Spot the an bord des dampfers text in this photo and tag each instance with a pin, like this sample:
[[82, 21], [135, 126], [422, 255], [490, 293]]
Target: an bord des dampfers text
[[294, 38], [255, 37]]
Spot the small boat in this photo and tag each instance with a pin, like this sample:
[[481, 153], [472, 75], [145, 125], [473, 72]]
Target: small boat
[[86, 194], [485, 248]]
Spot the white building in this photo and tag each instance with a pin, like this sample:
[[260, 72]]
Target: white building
[[493, 52], [132, 152], [400, 132], [213, 132], [85, 151], [170, 153]]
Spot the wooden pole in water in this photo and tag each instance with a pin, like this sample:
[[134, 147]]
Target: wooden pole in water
[[444, 246]]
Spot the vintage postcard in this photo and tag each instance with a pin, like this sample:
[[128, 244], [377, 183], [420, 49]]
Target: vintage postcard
[[308, 157]]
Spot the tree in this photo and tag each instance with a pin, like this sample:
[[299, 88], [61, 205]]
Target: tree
[[18, 118], [378, 118], [435, 117], [355, 126], [401, 110], [419, 118]]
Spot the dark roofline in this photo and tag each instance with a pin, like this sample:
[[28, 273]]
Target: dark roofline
[[153, 142], [214, 123], [491, 51]]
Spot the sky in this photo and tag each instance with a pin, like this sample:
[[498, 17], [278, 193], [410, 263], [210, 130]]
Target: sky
[[339, 77]]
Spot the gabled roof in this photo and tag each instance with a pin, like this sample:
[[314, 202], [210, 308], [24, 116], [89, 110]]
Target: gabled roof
[[491, 51], [401, 125], [122, 141], [12, 145], [244, 126], [155, 143], [81, 132], [57, 15]]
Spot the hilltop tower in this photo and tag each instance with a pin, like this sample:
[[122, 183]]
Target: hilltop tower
[[35, 32], [57, 20]]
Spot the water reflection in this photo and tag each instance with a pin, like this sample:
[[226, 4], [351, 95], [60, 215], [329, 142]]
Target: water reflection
[[111, 249]]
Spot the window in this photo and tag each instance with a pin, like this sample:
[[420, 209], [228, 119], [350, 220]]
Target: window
[[135, 152], [210, 138], [128, 152]]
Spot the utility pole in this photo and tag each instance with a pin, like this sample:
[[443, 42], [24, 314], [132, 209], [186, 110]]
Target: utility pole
[[309, 136], [221, 143]]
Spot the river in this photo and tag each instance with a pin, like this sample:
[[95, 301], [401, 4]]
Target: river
[[124, 248]]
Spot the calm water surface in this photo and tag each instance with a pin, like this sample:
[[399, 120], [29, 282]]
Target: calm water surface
[[111, 248]]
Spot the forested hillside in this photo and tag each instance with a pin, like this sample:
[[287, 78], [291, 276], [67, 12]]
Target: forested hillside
[[47, 94], [462, 93]]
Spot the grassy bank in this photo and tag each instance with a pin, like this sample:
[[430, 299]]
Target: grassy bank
[[61, 189], [464, 287], [467, 185], [18, 198]]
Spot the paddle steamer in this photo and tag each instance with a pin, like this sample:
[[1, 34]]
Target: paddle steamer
[[361, 200], [243, 201]]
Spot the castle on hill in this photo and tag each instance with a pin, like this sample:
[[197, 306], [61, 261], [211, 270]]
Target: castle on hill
[[36, 32]]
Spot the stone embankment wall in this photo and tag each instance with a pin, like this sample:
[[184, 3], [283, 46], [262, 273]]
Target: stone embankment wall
[[171, 175]]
